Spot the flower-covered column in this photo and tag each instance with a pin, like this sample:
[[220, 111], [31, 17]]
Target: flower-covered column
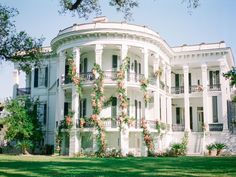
[[74, 138], [157, 72], [205, 97], [146, 95], [124, 132]]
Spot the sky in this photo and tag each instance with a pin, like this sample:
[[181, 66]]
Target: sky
[[213, 21]]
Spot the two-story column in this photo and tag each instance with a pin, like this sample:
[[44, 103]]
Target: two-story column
[[145, 62], [169, 100], [205, 97], [98, 54], [186, 98], [156, 93], [124, 133], [75, 143], [59, 115], [223, 69]]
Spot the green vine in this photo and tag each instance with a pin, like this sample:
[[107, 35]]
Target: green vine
[[122, 95], [144, 84], [73, 75], [64, 128], [147, 138], [97, 103]]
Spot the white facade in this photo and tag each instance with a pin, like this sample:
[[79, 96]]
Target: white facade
[[188, 93]]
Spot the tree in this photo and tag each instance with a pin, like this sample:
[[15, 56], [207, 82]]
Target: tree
[[231, 75], [17, 46], [22, 123], [85, 7]]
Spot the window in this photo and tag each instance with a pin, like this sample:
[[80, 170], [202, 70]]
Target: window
[[114, 107], [83, 66], [83, 107], [214, 78], [191, 117], [178, 115], [128, 108], [139, 68], [114, 61], [214, 109], [66, 108], [42, 113], [41, 77]]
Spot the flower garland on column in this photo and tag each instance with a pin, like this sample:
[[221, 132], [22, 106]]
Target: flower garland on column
[[97, 103], [122, 95], [144, 84], [74, 76], [147, 138]]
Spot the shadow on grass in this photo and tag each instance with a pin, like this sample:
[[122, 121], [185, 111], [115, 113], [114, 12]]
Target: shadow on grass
[[63, 166]]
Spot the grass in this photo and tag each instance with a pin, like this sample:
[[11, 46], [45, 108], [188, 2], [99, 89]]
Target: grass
[[163, 166]]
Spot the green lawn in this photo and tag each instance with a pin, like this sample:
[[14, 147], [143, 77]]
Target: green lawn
[[162, 166]]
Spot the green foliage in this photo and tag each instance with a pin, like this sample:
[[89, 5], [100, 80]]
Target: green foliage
[[21, 121], [210, 147], [220, 146], [180, 149], [84, 8], [231, 75], [24, 145], [17, 46]]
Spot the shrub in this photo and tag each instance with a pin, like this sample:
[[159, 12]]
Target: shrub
[[219, 147], [113, 153], [130, 154], [24, 146], [210, 147], [177, 149]]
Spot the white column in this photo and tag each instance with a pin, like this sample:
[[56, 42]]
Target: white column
[[205, 96], [124, 133], [16, 82], [98, 54], [186, 98], [74, 138], [156, 93], [169, 100], [145, 60], [223, 70]]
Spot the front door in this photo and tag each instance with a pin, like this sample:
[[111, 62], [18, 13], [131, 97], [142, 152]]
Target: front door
[[200, 119]]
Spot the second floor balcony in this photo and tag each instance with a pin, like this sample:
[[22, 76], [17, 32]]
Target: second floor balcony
[[23, 91]]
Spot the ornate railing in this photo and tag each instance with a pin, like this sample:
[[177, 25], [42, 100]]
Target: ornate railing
[[110, 123], [134, 77], [195, 88], [178, 127], [23, 91], [216, 127], [214, 87], [177, 90]]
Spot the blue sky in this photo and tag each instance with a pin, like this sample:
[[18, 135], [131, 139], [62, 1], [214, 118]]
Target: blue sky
[[213, 21]]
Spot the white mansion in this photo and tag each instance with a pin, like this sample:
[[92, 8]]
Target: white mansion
[[187, 89]]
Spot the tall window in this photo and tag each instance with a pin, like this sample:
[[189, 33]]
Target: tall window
[[178, 115], [214, 77], [114, 107], [128, 108], [84, 65], [42, 113], [83, 107], [41, 77], [114, 62], [214, 109]]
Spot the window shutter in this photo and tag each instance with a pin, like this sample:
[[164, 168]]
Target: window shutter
[[44, 114], [46, 77], [189, 79], [114, 61], [66, 108], [211, 78], [176, 80], [80, 108], [85, 65], [177, 115], [36, 77], [217, 77], [139, 68], [113, 107], [214, 109], [84, 107]]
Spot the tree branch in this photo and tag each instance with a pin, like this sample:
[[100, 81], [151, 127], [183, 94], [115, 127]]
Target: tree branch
[[75, 5]]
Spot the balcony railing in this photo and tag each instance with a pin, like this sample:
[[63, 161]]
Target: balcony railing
[[152, 80], [23, 91], [195, 88], [177, 90], [216, 127], [134, 77], [214, 87], [178, 127]]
